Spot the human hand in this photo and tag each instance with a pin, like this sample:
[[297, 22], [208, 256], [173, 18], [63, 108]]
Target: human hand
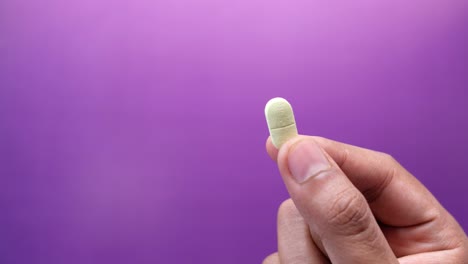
[[358, 206]]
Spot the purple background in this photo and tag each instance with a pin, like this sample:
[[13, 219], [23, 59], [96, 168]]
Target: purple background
[[133, 131]]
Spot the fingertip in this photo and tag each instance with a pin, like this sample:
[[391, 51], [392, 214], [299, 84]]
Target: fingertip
[[284, 150], [273, 152], [271, 149]]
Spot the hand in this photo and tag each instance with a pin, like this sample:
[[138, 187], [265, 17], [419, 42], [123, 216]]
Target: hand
[[358, 206]]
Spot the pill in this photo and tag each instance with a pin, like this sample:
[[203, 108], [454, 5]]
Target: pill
[[280, 120]]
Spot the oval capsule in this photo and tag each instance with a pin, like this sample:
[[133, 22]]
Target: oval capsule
[[280, 119]]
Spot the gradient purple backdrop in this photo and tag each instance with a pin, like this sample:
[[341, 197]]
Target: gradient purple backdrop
[[133, 131]]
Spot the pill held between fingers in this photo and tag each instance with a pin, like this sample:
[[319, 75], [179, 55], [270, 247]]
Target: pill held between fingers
[[280, 120]]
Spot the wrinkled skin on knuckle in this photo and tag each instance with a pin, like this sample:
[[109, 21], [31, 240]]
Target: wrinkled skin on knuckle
[[349, 213]]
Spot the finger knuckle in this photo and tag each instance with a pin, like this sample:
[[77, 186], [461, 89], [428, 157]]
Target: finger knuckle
[[388, 158], [271, 259], [286, 209], [289, 218], [349, 212]]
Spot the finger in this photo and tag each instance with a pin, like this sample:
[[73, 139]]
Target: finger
[[271, 149], [391, 191], [295, 245], [452, 256], [413, 220], [336, 212], [272, 259]]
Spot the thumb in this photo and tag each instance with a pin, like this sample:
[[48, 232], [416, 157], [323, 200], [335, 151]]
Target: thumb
[[338, 215]]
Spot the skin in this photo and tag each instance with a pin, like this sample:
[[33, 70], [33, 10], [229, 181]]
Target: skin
[[363, 208]]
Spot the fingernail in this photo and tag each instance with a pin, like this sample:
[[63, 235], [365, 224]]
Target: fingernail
[[306, 160]]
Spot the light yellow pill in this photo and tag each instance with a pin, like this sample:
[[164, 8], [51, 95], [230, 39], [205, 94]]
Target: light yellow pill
[[280, 120]]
